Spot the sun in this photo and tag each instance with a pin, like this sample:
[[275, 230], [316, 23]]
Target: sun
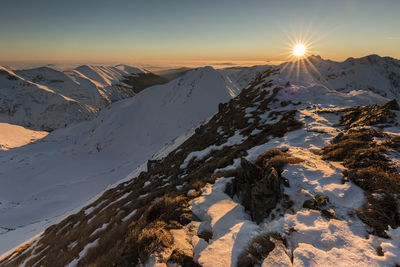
[[299, 50]]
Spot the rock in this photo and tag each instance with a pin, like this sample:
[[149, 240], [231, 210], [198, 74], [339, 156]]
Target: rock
[[259, 190], [250, 172], [265, 195], [230, 189], [191, 192], [328, 214], [393, 105]]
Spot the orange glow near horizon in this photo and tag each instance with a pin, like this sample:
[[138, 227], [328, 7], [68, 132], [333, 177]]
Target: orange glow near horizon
[[299, 49]]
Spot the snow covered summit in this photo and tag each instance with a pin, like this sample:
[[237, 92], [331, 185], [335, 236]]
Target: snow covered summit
[[371, 73]]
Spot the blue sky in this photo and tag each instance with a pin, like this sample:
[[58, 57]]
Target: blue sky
[[122, 30]]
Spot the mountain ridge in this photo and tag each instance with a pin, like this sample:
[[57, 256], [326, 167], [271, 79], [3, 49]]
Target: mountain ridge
[[83, 96], [196, 203], [83, 158], [258, 170]]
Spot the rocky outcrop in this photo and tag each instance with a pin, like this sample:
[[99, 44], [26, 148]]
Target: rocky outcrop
[[258, 185], [257, 188], [265, 194]]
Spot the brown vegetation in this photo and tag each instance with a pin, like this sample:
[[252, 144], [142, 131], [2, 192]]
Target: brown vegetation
[[369, 115], [369, 167], [259, 248], [316, 202], [130, 238]]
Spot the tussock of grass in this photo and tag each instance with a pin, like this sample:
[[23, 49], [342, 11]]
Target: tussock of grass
[[279, 162], [149, 239], [266, 155], [379, 212], [258, 249], [180, 258], [168, 209], [316, 203]]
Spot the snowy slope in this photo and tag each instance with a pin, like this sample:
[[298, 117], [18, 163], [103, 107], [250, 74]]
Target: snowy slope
[[173, 107], [72, 86], [107, 75], [15, 136], [199, 170], [45, 98], [69, 166], [34, 105], [243, 76], [371, 73], [85, 157]]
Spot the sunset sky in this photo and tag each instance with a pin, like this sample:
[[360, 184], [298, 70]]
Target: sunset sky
[[128, 31]]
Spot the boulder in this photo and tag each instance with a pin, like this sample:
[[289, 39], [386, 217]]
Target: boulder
[[258, 189], [265, 194]]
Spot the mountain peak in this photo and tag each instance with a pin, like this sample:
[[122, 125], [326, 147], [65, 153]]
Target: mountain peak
[[315, 57]]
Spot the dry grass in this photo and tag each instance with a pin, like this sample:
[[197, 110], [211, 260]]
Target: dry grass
[[279, 162], [379, 212], [161, 207], [316, 203], [258, 249], [369, 115], [368, 166], [266, 155], [148, 239], [182, 259]]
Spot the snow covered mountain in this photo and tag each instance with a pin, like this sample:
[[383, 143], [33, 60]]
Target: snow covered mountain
[[71, 165], [380, 75], [34, 105], [293, 171], [371, 73], [47, 99]]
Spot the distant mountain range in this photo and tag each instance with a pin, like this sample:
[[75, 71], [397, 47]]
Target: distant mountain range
[[373, 73], [291, 165], [47, 99]]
